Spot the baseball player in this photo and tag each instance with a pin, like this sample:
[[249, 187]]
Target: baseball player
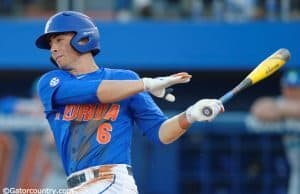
[[92, 110], [283, 110]]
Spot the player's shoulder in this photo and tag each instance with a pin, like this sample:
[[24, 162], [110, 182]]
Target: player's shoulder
[[53, 78], [122, 73]]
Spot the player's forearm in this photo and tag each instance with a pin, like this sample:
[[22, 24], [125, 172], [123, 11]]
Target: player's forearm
[[110, 91], [115, 90], [173, 128]]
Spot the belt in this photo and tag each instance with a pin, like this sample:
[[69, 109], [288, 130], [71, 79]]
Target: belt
[[101, 172]]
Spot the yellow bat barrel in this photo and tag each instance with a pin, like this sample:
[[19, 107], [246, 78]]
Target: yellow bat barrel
[[270, 65]]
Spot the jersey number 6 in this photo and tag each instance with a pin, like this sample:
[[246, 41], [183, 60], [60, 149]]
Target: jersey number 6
[[103, 133]]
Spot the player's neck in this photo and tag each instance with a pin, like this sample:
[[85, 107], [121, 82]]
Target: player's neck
[[85, 64]]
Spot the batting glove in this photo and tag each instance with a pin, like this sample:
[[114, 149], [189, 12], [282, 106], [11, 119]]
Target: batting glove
[[197, 112], [158, 86]]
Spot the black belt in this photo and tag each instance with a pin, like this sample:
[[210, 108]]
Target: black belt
[[81, 178]]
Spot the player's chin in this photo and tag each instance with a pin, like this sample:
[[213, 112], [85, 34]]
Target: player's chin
[[61, 65]]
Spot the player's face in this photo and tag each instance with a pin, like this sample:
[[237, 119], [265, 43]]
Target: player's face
[[62, 52]]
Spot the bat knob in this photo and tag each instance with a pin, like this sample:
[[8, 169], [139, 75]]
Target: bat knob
[[207, 111]]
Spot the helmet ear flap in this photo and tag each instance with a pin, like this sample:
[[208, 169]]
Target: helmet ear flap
[[92, 38]]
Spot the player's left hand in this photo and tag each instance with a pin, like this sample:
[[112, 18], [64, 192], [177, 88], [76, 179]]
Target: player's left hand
[[158, 86]]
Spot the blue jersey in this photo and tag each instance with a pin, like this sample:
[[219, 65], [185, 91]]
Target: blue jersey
[[90, 133]]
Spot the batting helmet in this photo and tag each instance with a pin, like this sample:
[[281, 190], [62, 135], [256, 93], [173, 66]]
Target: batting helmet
[[291, 78], [72, 21]]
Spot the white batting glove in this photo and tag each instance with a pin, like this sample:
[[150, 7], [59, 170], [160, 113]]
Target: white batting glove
[[158, 86], [204, 110]]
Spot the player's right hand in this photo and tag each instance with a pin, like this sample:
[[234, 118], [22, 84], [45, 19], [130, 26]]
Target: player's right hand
[[195, 112], [158, 86]]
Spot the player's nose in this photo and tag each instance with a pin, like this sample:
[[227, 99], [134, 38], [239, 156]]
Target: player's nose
[[53, 48]]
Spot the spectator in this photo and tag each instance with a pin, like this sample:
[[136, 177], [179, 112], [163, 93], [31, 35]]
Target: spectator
[[285, 108], [143, 8]]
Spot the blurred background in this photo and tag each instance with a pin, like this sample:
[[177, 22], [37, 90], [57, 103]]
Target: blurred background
[[218, 41]]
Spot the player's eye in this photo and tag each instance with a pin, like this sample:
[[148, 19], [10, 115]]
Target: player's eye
[[59, 39]]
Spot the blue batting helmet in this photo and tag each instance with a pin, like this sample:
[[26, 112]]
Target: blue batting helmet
[[72, 21], [291, 78]]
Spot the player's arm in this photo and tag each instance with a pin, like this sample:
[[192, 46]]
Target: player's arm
[[115, 90], [107, 91], [174, 127]]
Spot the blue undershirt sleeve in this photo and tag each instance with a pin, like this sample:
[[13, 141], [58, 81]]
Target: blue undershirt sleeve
[[77, 92], [58, 88]]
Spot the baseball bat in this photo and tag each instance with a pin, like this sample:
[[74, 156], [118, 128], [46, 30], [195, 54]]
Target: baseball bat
[[266, 68]]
